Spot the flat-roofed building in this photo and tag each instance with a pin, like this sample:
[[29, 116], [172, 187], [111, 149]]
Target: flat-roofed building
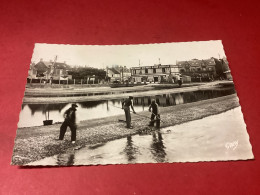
[[153, 74]]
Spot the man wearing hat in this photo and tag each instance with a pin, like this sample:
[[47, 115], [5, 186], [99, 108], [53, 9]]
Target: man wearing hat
[[179, 79], [155, 116], [126, 106], [70, 120]]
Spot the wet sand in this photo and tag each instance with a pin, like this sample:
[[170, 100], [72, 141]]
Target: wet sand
[[35, 143], [213, 138]]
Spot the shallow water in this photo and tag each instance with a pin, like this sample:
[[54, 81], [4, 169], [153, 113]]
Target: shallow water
[[34, 114], [217, 137]]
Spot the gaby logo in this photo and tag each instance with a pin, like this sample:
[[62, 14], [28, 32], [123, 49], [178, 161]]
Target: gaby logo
[[231, 145]]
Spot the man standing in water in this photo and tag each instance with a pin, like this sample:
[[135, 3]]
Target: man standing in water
[[126, 106], [155, 116], [70, 120]]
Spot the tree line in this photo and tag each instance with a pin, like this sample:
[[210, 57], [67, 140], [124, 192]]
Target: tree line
[[87, 72]]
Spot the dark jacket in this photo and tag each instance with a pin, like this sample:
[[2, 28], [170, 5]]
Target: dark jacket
[[70, 115], [155, 108], [127, 103]]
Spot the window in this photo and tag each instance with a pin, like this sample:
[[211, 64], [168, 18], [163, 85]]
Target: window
[[146, 70], [198, 69], [154, 70], [163, 70]]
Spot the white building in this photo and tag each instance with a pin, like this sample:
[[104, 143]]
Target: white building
[[118, 73], [154, 74]]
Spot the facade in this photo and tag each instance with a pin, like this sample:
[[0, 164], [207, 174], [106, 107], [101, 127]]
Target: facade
[[113, 74], [154, 74], [126, 73], [118, 73], [32, 72], [198, 70], [49, 70]]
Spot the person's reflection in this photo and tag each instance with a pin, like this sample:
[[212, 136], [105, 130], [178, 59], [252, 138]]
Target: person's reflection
[[107, 106], [179, 99], [163, 101], [65, 159], [157, 147], [130, 150], [171, 100]]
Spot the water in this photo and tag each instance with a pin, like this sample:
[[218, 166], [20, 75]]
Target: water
[[34, 114], [80, 94], [200, 140]]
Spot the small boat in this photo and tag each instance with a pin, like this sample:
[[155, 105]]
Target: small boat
[[47, 122], [120, 85], [116, 84]]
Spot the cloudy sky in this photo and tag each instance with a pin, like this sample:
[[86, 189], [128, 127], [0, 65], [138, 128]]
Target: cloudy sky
[[100, 56]]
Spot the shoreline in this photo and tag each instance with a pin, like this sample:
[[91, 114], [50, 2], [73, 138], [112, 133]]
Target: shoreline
[[138, 93], [35, 143]]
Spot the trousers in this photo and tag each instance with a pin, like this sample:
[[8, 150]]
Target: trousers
[[127, 116], [64, 127], [155, 118]]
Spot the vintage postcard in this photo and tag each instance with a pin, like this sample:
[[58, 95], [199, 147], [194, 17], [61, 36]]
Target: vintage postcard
[[124, 104]]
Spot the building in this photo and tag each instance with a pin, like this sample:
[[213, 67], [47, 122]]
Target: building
[[126, 74], [118, 73], [222, 68], [153, 74], [113, 74], [49, 71], [32, 72], [198, 70]]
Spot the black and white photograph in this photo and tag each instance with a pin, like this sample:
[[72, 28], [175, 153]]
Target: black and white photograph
[[127, 104]]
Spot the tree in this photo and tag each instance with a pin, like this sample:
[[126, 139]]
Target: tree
[[86, 72]]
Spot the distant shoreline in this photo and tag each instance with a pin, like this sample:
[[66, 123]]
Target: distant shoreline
[[139, 92]]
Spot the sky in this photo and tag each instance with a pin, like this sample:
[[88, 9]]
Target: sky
[[100, 56]]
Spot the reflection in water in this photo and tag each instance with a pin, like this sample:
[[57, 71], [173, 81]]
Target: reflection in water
[[130, 149], [65, 159], [34, 114], [91, 104], [43, 108], [157, 147], [181, 98], [198, 140]]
